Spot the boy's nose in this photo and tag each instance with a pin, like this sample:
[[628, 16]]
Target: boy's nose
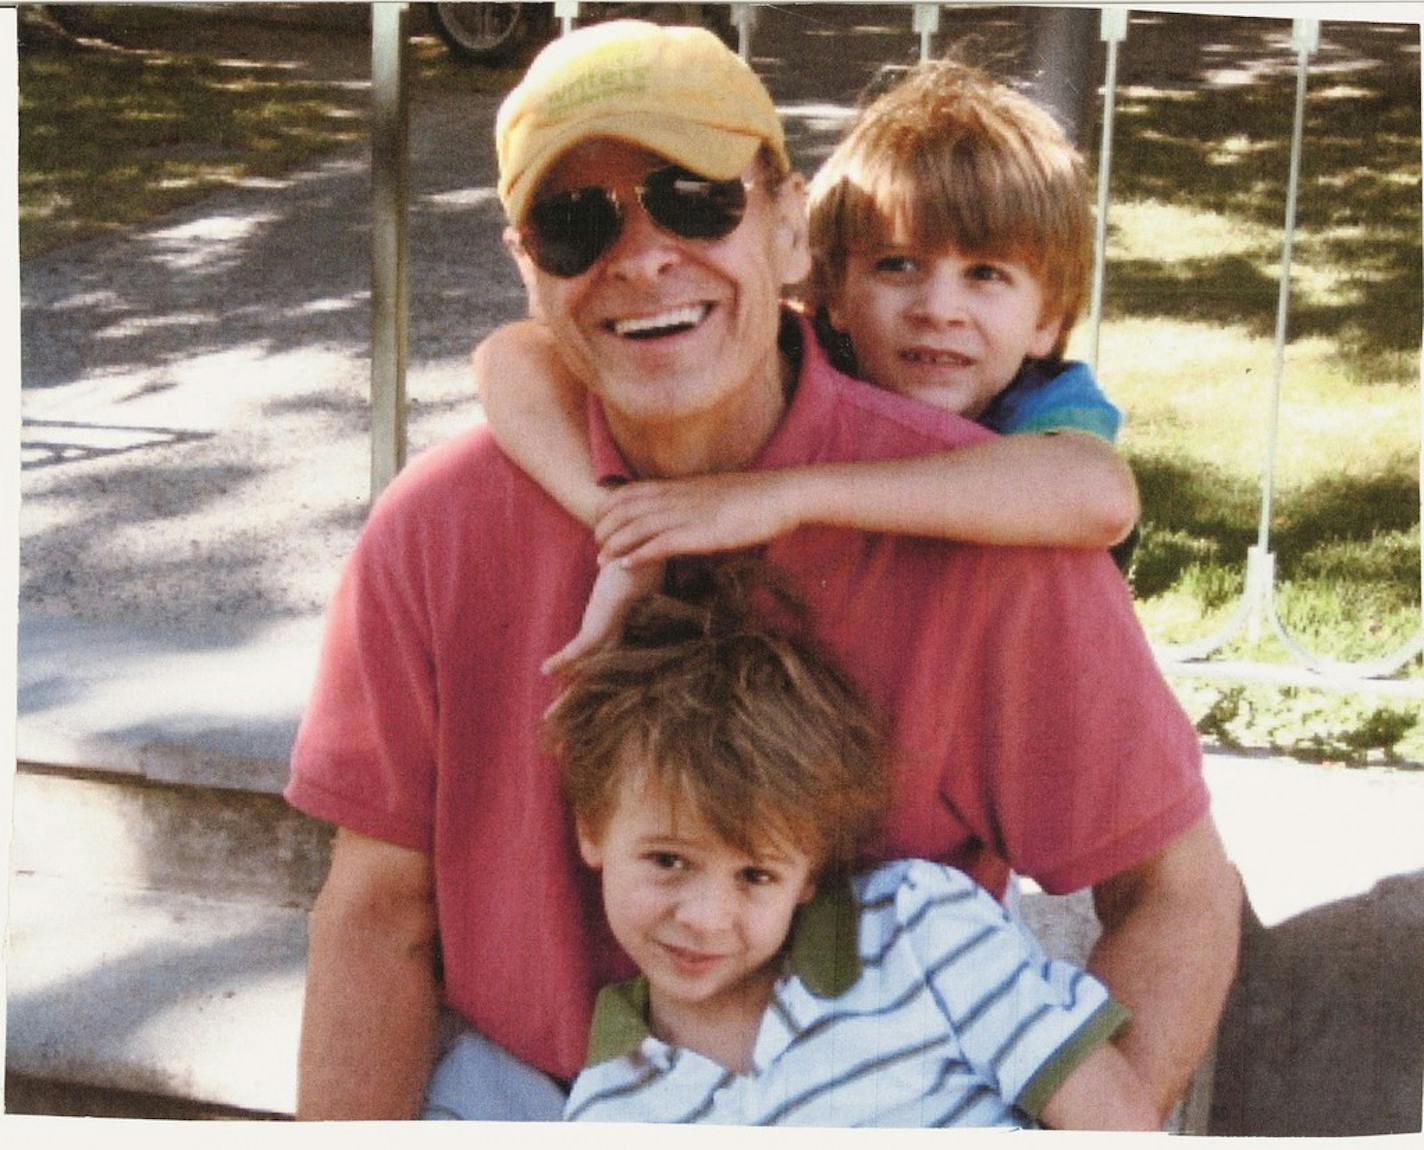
[[940, 300], [707, 907]]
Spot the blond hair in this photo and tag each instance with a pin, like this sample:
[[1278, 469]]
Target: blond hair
[[730, 706], [958, 158]]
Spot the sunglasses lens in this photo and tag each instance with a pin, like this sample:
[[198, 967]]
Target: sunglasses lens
[[565, 234], [692, 206]]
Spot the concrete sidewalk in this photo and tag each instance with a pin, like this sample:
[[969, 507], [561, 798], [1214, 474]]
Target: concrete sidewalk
[[1324, 1033]]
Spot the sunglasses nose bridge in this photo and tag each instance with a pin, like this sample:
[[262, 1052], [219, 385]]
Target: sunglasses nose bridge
[[641, 244]]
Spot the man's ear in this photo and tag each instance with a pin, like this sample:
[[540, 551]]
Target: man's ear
[[590, 845], [793, 240], [528, 273]]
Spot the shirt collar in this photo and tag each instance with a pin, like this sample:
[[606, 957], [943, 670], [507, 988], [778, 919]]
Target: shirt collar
[[824, 936], [620, 1021], [823, 953]]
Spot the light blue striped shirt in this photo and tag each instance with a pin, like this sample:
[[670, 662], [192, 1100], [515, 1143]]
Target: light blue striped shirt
[[910, 999]]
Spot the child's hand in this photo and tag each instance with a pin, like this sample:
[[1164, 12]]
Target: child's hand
[[654, 520], [615, 590]]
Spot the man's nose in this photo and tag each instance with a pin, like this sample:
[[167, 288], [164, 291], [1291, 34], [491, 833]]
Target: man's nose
[[642, 249]]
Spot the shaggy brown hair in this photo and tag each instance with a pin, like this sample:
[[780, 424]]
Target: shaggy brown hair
[[958, 158], [730, 707]]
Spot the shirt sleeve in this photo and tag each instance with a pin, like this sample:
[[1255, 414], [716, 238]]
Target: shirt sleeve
[[364, 756], [1022, 1021], [1068, 400], [1069, 757]]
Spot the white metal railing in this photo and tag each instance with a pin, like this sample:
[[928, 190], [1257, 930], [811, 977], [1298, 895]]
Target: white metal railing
[[1257, 605], [390, 304], [1258, 600]]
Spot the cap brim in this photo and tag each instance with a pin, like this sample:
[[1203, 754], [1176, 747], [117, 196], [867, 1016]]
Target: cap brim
[[714, 152]]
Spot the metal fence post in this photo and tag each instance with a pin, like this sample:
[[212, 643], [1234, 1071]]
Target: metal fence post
[[1305, 39], [567, 12], [1257, 607], [744, 17], [926, 23], [389, 256], [1114, 32]]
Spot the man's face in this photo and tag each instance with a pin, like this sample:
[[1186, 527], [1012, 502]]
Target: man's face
[[667, 330]]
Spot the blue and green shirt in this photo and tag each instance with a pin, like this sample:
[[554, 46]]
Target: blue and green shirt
[[1058, 397]]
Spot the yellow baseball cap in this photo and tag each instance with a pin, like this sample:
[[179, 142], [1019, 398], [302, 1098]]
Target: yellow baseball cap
[[676, 91]]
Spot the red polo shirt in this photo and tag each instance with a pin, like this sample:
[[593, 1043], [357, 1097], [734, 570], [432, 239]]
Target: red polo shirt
[[1034, 729]]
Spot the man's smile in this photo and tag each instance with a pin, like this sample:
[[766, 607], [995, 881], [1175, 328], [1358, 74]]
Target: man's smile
[[673, 321]]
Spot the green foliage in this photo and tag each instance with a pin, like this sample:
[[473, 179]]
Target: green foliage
[[111, 137], [1315, 726], [1187, 348]]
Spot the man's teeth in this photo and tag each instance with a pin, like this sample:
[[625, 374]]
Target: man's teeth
[[664, 323]]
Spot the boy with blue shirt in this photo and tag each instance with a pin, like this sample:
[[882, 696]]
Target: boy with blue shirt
[[951, 239], [725, 777]]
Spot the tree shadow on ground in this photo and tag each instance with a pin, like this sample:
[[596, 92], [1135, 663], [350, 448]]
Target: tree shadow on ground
[[1225, 150], [269, 288], [1197, 514]]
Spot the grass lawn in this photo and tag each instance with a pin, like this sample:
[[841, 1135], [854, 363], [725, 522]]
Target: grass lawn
[[109, 138], [1188, 350]]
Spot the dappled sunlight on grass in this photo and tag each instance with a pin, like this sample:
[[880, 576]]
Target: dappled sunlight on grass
[[1213, 164], [108, 139], [1171, 376], [1196, 236], [1195, 244], [1175, 232]]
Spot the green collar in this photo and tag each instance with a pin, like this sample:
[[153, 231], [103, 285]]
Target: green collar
[[822, 953]]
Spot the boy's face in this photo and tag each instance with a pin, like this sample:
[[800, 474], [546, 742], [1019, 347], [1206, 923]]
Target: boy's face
[[702, 920], [941, 327]]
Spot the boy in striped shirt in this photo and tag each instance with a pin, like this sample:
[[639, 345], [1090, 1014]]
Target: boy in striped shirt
[[725, 776]]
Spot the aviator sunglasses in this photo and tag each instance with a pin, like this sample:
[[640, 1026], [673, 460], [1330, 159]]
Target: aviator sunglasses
[[565, 234]]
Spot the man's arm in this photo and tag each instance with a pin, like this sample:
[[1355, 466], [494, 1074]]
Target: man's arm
[[368, 1021], [1103, 1092], [1171, 929]]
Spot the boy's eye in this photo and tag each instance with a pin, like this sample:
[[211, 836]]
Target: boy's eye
[[988, 272], [757, 876], [896, 264], [666, 860]]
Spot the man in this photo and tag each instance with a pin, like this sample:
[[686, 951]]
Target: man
[[655, 222]]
